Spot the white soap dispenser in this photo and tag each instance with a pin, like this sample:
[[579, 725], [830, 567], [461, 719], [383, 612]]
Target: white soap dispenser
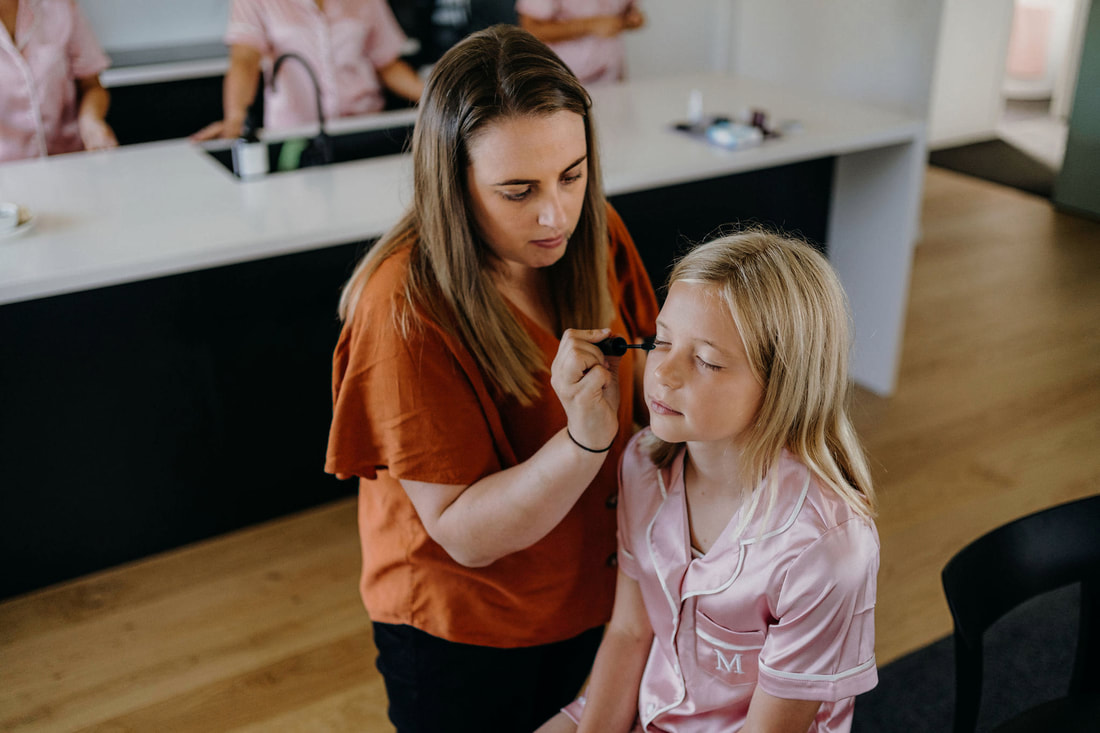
[[249, 155]]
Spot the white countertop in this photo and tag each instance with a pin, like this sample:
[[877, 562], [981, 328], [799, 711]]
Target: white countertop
[[165, 63], [156, 209], [639, 150], [124, 76]]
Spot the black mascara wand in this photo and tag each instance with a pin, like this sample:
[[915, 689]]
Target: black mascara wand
[[617, 345]]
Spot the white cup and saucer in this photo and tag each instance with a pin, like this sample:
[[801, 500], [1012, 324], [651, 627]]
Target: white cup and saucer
[[14, 219]]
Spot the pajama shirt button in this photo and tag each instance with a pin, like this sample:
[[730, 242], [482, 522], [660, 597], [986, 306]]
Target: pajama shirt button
[[612, 501], [613, 559]]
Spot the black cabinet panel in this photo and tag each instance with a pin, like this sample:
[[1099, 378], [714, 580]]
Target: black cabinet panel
[[144, 416], [165, 110], [666, 221]]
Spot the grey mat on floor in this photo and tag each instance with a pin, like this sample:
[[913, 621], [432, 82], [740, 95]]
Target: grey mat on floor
[[999, 162], [1028, 659]]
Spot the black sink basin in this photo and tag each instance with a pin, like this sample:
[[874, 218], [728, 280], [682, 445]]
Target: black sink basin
[[295, 153]]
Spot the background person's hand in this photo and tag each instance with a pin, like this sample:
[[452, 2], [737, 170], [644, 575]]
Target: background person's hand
[[633, 19], [96, 134], [587, 384], [226, 129]]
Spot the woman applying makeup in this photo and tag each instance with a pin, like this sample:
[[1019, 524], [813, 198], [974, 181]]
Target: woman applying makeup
[[474, 406]]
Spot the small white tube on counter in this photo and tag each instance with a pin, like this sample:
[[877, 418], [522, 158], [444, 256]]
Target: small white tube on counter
[[695, 107]]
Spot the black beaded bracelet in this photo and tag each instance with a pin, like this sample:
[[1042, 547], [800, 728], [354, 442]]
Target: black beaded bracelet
[[582, 446]]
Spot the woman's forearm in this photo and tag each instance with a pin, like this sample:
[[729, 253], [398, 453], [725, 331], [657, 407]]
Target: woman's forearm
[[509, 510], [514, 508]]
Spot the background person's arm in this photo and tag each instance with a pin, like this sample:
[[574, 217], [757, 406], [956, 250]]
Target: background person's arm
[[95, 133], [553, 31], [238, 92], [401, 79]]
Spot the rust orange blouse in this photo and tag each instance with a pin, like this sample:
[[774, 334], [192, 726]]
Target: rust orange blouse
[[421, 409]]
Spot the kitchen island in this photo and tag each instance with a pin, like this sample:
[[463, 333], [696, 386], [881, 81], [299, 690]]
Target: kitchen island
[[167, 328]]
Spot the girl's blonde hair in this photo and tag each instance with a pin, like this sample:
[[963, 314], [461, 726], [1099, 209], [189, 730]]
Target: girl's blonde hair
[[497, 73], [792, 313]]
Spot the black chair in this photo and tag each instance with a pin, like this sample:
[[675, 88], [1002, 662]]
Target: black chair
[[1002, 569]]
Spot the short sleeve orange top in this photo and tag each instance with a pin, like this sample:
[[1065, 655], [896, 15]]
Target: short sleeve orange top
[[420, 408]]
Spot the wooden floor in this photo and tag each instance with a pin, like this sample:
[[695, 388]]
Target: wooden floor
[[997, 414]]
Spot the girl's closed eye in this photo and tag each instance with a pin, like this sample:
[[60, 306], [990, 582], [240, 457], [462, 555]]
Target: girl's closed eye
[[659, 343], [572, 177], [707, 365]]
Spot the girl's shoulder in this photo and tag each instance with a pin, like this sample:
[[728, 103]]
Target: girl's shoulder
[[636, 456], [640, 480], [835, 531], [635, 463], [812, 532], [828, 507], [831, 540], [806, 504]]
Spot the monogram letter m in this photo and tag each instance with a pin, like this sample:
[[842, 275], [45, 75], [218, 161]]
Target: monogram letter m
[[728, 665]]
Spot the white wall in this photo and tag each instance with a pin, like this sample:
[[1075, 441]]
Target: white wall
[[876, 51], [679, 36], [966, 88], [970, 84], [873, 50], [129, 24], [1066, 82]]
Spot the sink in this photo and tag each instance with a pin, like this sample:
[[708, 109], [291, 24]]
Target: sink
[[293, 153]]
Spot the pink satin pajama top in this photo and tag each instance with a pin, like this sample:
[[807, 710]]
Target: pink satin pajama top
[[344, 44], [53, 47], [788, 606], [594, 59]]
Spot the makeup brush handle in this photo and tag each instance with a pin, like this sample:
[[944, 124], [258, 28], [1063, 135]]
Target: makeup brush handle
[[613, 346]]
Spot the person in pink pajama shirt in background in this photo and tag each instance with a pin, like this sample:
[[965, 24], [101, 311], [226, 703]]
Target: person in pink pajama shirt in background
[[51, 100], [586, 34], [353, 47]]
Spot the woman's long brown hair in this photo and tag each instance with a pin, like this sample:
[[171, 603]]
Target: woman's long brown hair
[[497, 73]]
